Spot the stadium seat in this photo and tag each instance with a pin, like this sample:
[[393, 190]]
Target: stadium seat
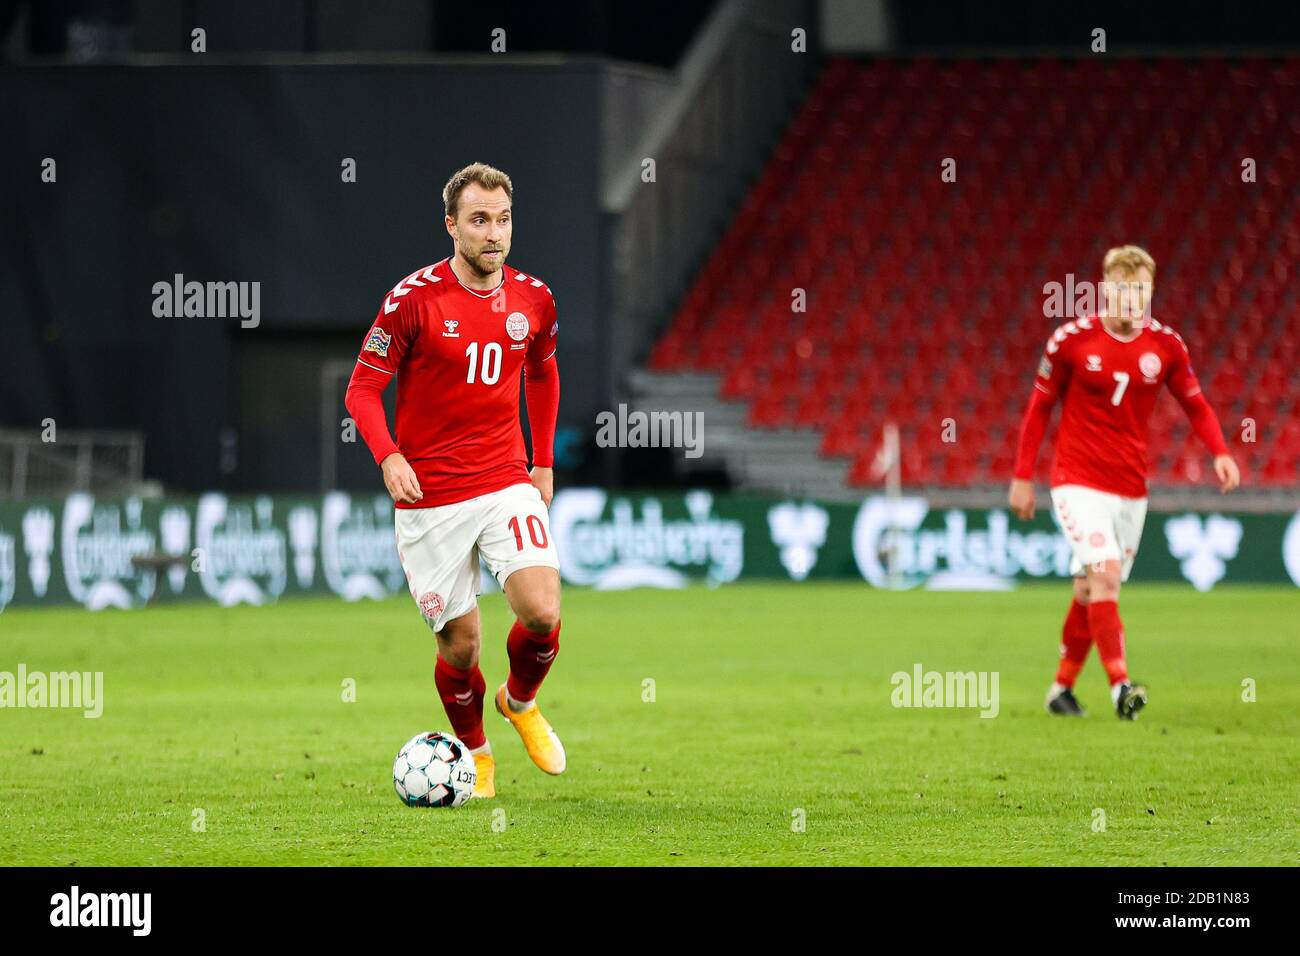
[[925, 296]]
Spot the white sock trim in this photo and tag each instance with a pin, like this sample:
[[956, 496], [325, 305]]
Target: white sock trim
[[519, 706]]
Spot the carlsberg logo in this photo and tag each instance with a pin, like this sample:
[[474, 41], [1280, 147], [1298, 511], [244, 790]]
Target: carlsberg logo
[[356, 544], [891, 528], [627, 550], [97, 552], [8, 569], [243, 558]]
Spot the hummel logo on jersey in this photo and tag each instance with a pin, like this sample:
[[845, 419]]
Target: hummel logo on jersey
[[378, 342], [1094, 363], [451, 332]]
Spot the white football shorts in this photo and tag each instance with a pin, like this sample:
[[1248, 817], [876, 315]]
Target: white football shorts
[[440, 547], [1100, 526]]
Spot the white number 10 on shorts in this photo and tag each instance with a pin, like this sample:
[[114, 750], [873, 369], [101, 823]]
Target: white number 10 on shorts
[[440, 547]]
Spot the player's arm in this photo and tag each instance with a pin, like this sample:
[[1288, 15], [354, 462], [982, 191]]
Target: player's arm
[[380, 356], [1049, 384], [1187, 390], [542, 391]]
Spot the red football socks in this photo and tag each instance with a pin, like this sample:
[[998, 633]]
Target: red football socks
[[531, 656], [462, 697], [1108, 631], [1076, 639]]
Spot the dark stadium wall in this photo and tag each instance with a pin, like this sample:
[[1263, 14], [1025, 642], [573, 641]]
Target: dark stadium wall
[[225, 174], [981, 28]]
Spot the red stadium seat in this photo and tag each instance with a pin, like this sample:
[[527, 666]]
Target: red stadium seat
[[925, 297]]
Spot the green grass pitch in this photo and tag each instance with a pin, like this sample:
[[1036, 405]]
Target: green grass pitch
[[771, 705]]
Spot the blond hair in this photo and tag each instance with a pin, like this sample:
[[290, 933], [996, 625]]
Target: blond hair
[[489, 177], [1128, 259]]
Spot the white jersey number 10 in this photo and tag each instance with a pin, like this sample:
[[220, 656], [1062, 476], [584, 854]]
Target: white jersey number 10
[[491, 363]]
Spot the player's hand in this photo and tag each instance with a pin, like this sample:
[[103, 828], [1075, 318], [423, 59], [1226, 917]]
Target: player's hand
[[1021, 498], [544, 481], [1229, 475], [400, 480]]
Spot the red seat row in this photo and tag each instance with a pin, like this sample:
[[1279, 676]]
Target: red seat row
[[893, 260]]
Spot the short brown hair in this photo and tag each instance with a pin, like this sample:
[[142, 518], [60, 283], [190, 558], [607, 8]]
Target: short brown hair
[[489, 177], [1129, 259]]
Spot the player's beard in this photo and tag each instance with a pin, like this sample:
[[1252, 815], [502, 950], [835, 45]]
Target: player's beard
[[483, 266]]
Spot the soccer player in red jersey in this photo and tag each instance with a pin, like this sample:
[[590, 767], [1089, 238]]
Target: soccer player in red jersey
[[457, 334], [1107, 370]]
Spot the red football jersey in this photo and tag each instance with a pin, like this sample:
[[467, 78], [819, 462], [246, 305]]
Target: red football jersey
[[1109, 387], [457, 353]]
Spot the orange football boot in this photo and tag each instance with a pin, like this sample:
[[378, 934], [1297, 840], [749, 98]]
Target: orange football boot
[[539, 738], [486, 768]]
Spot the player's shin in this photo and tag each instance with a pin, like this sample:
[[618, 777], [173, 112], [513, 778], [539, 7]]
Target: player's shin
[[531, 656], [1076, 639], [462, 693], [1108, 631]]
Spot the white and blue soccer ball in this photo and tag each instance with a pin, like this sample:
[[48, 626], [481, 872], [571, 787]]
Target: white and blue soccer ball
[[434, 769]]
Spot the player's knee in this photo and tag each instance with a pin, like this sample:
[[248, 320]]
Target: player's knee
[[461, 657], [459, 642], [460, 653], [1104, 587], [540, 617]]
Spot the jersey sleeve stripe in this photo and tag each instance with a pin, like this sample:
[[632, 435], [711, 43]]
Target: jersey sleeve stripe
[[375, 367]]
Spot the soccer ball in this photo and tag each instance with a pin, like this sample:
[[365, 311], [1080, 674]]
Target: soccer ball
[[434, 769]]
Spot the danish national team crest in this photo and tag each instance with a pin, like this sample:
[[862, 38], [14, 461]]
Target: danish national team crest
[[517, 326], [431, 604], [378, 342], [1149, 366]]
